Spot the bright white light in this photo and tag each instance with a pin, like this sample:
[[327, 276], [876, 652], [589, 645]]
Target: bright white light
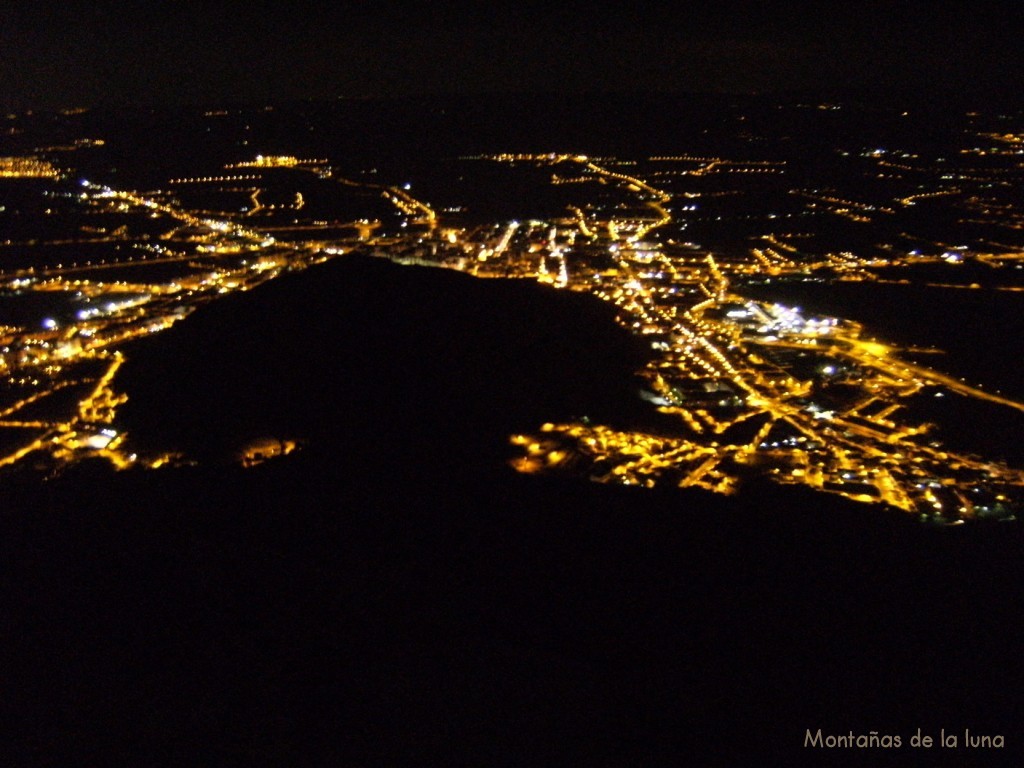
[[99, 442]]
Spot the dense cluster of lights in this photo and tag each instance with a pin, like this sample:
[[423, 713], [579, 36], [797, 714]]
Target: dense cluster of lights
[[725, 367], [858, 451], [26, 167]]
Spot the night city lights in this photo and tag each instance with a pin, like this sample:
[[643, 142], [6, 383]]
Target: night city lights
[[411, 384]]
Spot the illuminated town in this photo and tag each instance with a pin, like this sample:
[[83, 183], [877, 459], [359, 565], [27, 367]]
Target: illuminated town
[[680, 244]]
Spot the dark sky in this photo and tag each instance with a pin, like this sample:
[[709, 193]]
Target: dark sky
[[68, 54]]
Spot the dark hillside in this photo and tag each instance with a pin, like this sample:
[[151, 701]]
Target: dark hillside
[[360, 354]]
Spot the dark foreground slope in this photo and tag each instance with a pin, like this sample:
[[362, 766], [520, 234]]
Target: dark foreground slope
[[388, 607]]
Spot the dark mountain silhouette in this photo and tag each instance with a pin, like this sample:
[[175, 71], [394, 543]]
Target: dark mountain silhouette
[[362, 356]]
